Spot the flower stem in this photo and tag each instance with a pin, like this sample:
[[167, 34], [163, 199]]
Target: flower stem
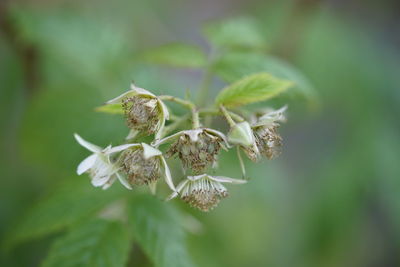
[[228, 117], [234, 115], [186, 103]]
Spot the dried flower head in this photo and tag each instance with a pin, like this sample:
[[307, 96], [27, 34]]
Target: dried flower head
[[268, 140], [197, 149], [204, 191], [99, 166], [144, 112], [144, 164]]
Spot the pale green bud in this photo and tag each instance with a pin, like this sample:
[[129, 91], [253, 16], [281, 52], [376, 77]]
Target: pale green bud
[[241, 134]]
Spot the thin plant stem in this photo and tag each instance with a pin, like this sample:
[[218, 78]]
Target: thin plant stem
[[228, 117], [186, 103]]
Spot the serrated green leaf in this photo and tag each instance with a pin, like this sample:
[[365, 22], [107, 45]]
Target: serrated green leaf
[[93, 244], [234, 66], [66, 205], [242, 33], [254, 88], [157, 229], [177, 55], [111, 109]]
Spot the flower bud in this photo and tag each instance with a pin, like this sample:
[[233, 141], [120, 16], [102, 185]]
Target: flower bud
[[204, 192], [241, 134]]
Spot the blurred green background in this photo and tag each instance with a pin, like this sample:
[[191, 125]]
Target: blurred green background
[[331, 199]]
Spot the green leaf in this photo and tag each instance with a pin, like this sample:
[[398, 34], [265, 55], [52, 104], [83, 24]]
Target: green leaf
[[71, 202], [157, 228], [177, 55], [234, 66], [111, 109], [242, 33], [95, 243], [254, 88]]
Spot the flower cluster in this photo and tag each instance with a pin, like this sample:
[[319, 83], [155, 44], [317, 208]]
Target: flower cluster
[[140, 163]]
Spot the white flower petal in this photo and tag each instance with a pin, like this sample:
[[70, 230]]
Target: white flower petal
[[132, 134], [167, 175], [119, 98], [193, 134], [153, 187], [219, 134], [179, 188], [197, 177], [86, 164], [149, 151], [119, 148], [141, 91], [167, 139], [109, 183], [164, 109], [123, 181], [272, 117], [89, 146], [100, 180], [223, 179]]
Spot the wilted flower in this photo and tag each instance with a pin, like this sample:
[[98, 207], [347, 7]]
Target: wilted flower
[[144, 111], [101, 170], [144, 164], [203, 191], [198, 149], [268, 140], [241, 134]]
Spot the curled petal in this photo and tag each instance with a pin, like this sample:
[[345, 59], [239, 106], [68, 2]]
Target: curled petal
[[119, 98], [100, 180], [167, 139], [86, 164], [179, 188], [219, 134], [132, 134], [140, 91], [164, 110], [167, 174], [119, 148], [89, 146], [153, 187], [197, 177], [223, 179], [272, 117], [109, 183], [193, 134], [123, 181], [149, 151]]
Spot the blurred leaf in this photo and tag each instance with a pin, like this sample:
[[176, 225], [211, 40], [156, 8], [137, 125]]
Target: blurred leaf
[[251, 89], [177, 55], [66, 205], [157, 228], [241, 33], [111, 109], [96, 243], [234, 66]]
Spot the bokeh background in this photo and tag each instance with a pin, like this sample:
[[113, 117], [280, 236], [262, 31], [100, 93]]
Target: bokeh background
[[331, 199]]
